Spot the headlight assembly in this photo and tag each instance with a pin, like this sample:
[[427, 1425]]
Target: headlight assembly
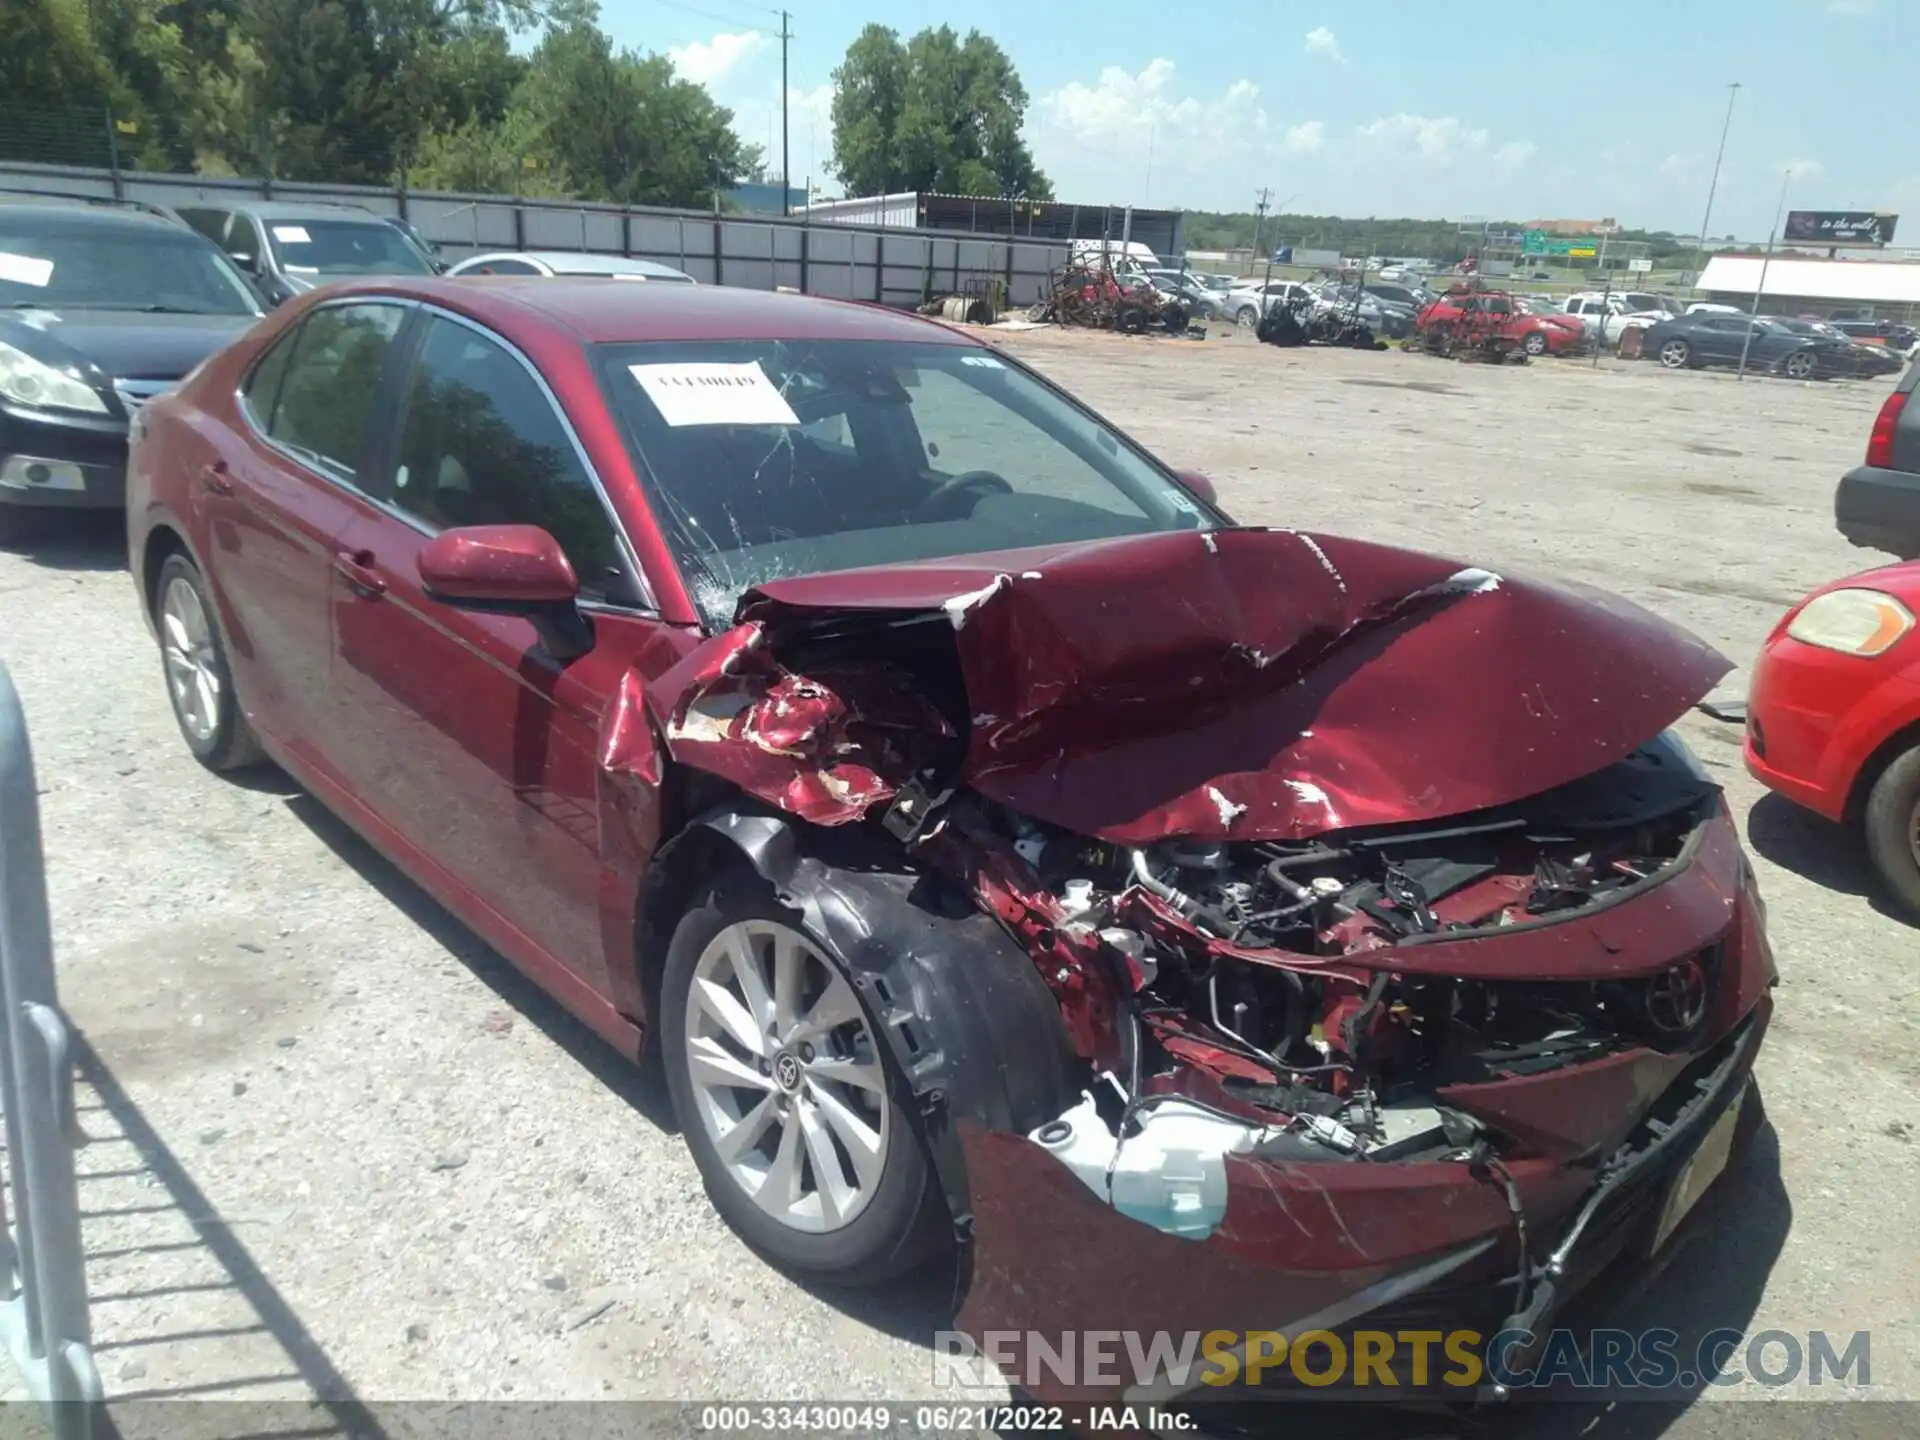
[[1854, 622], [37, 385]]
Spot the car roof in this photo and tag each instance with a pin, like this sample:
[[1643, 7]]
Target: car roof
[[283, 209], [596, 313], [75, 214], [575, 262]]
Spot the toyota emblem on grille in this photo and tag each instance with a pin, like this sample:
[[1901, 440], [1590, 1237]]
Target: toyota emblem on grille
[[1676, 999]]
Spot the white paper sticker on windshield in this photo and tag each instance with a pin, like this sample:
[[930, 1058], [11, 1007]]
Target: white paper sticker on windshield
[[983, 362], [291, 234], [25, 269], [714, 394], [303, 269]]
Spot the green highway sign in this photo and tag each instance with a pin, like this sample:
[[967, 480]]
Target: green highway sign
[[1575, 247]]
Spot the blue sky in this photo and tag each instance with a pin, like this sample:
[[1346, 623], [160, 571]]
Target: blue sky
[[1382, 108]]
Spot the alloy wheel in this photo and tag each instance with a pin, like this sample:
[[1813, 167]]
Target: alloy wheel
[[1799, 366], [1247, 318], [786, 1076], [1673, 354], [193, 665]]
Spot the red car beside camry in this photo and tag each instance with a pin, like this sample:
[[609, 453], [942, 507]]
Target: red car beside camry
[[1200, 926], [1833, 709]]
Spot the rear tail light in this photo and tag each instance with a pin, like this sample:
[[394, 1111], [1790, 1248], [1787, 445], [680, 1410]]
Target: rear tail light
[[1880, 442]]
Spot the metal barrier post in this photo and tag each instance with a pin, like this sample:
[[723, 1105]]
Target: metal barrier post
[[43, 1318]]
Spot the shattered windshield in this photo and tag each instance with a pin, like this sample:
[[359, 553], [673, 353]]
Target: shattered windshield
[[765, 459]]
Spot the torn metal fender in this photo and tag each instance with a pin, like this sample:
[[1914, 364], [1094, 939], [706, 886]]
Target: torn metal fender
[[1268, 684], [974, 1030], [827, 746]]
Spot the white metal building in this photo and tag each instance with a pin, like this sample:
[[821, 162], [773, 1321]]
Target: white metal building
[[1877, 289]]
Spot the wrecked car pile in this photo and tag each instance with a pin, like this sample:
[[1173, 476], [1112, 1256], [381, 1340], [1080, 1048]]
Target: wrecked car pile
[[1093, 296]]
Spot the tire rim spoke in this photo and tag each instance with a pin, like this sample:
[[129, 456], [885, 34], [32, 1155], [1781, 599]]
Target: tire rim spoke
[[836, 1007], [779, 1190], [738, 1139], [860, 1140], [861, 1075], [724, 1006], [715, 1065], [829, 1173]]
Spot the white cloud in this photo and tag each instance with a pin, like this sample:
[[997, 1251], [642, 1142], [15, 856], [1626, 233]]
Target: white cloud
[[1515, 153], [706, 61], [1305, 138], [1432, 137], [1322, 41]]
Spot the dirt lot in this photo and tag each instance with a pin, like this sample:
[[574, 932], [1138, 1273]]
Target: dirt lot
[[345, 1149]]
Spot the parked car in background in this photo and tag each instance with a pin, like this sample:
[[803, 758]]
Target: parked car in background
[[1878, 503], [1200, 302], [1898, 337], [1833, 707], [568, 262], [1413, 297], [426, 246], [290, 247], [1462, 315], [1690, 341], [1866, 360], [1607, 317], [1248, 300], [1383, 317], [102, 307], [768, 723]]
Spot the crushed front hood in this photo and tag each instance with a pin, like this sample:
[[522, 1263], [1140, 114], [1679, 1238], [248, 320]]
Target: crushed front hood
[[1240, 684]]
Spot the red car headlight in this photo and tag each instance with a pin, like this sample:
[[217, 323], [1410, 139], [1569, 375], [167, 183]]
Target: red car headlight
[[1853, 622]]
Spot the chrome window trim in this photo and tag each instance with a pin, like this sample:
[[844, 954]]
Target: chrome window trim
[[308, 461], [649, 603]]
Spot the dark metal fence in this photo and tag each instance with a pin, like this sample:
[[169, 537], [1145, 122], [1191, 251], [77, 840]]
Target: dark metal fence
[[43, 1281]]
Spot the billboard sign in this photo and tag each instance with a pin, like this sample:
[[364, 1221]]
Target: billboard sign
[[1840, 227], [1574, 247]]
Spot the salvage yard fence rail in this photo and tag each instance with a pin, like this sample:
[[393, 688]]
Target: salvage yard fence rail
[[846, 262], [43, 1282]]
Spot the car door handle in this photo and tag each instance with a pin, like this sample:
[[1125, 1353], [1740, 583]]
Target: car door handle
[[215, 477], [356, 566]]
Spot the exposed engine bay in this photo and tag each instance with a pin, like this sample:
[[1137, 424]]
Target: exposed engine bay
[[1261, 1017]]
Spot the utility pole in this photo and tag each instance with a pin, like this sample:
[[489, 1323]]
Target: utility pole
[[786, 186], [1699, 253], [1259, 221], [1759, 289]]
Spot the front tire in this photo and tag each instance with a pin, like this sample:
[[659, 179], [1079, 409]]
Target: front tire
[[193, 656], [790, 1101], [1676, 354], [1246, 317], [1535, 344], [1891, 822]]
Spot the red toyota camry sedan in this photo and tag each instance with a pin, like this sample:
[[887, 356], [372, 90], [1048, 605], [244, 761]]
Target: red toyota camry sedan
[[1833, 715], [1206, 927]]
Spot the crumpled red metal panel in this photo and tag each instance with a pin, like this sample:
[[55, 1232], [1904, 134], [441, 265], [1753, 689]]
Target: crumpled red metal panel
[[1262, 684], [827, 746]]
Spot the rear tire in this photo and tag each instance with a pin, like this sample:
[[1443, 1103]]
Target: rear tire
[[193, 658], [1131, 320], [1891, 823], [1799, 366], [898, 1218]]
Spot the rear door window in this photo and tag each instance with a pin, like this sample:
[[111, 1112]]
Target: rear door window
[[331, 383]]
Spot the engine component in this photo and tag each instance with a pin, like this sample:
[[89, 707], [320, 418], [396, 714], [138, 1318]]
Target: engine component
[[1170, 1172]]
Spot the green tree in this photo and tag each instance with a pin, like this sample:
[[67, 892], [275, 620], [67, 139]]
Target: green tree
[[937, 112]]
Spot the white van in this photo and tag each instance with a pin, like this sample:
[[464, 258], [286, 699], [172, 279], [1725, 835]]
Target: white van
[[1131, 254]]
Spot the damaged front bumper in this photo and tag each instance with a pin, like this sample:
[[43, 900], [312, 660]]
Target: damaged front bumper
[[1591, 1174]]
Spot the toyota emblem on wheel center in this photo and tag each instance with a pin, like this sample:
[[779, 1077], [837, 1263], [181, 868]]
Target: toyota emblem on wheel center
[[1676, 999]]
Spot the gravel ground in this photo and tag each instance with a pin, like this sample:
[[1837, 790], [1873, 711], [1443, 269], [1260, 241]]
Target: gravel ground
[[344, 1150]]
